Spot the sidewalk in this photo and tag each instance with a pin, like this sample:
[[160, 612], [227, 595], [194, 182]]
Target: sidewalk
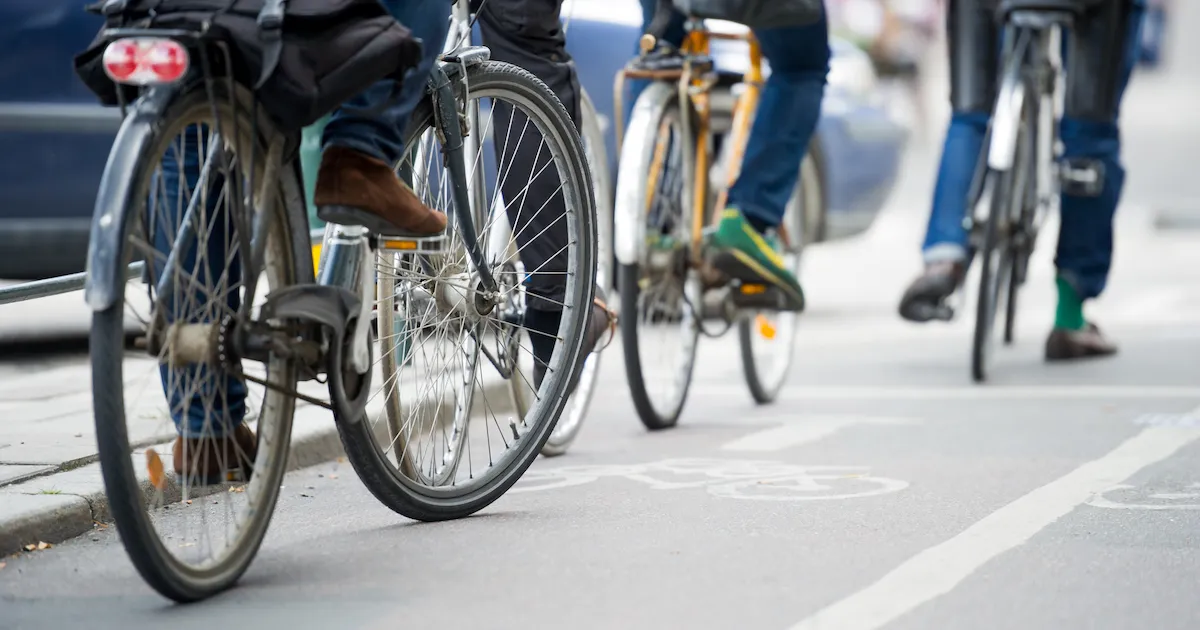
[[51, 487]]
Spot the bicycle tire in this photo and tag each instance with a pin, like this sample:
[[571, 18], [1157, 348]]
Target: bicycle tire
[[637, 162], [569, 424], [126, 493], [378, 474], [765, 387]]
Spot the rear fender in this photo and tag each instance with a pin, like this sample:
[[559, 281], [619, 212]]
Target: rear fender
[[637, 149], [110, 216]]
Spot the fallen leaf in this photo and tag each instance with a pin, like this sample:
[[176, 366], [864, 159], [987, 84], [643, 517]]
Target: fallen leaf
[[30, 547], [341, 460], [189, 501], [154, 466], [333, 475], [237, 488], [42, 546]]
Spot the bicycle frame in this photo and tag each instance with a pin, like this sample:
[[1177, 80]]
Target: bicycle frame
[[1034, 40], [693, 87]]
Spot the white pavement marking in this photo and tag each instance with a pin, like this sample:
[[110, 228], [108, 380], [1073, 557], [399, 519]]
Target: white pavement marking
[[803, 430], [1003, 392], [939, 569]]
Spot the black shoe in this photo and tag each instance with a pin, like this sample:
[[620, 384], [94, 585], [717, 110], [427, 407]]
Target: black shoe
[[924, 300], [1067, 345]]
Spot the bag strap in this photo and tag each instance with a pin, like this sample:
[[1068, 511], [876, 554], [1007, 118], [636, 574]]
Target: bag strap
[[270, 28]]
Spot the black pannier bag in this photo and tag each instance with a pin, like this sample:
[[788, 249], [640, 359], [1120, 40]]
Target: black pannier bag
[[321, 53], [755, 13]]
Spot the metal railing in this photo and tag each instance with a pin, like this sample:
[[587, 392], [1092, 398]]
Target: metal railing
[[59, 285]]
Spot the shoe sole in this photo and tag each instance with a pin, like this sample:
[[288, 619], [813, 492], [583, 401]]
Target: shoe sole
[[346, 215], [740, 266]]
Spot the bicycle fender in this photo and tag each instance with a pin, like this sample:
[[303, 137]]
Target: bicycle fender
[[1006, 120], [109, 218], [637, 149]]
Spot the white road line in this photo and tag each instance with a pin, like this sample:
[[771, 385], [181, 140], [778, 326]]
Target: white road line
[[803, 430], [939, 569], [986, 392]]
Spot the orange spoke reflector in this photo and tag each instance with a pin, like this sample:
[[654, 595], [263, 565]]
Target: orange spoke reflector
[[154, 466], [765, 328]]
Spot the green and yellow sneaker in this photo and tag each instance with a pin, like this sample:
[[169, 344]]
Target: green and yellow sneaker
[[743, 253]]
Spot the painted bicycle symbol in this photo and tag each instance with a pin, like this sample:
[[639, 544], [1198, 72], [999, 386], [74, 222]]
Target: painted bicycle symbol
[[754, 480], [1127, 497]]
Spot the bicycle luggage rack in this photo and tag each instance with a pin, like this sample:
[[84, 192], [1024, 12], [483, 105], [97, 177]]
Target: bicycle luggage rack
[[60, 285]]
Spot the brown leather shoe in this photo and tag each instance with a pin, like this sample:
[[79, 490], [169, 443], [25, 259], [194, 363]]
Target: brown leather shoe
[[356, 189], [1066, 345], [211, 461]]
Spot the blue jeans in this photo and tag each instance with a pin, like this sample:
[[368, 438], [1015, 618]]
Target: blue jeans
[[205, 402], [382, 136], [787, 114], [1085, 239]]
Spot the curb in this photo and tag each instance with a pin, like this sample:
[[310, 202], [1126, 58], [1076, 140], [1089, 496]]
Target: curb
[[61, 506]]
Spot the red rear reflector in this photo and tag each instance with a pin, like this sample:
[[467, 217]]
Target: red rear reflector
[[145, 61]]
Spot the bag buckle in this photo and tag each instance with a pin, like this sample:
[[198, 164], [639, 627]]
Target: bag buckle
[[114, 7], [270, 18]]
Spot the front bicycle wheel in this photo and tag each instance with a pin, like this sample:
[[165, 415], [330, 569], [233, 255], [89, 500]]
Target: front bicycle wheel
[[660, 295], [193, 533], [767, 339], [1006, 193], [571, 420], [442, 438]]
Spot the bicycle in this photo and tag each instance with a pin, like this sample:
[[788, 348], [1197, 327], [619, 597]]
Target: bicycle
[[664, 200], [252, 354], [1020, 172]]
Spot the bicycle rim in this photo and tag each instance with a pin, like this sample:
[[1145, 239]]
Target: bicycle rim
[[571, 420], [660, 297], [767, 339], [153, 510]]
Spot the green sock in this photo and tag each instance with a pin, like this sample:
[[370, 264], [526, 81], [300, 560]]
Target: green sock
[[1069, 315]]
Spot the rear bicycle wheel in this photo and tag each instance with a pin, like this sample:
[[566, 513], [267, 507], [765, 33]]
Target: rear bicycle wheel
[[188, 537], [442, 438], [571, 420], [660, 295], [767, 339]]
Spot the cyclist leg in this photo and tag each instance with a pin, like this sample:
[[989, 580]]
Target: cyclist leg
[[355, 168], [659, 18], [529, 34], [1101, 56], [744, 245], [974, 58], [356, 182]]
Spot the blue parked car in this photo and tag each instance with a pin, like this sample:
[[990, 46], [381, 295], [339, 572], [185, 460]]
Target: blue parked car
[[54, 138]]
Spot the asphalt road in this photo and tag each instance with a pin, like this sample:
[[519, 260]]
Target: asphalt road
[[882, 490]]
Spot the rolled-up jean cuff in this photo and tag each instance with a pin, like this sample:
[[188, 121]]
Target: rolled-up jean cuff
[[772, 219], [944, 252], [1072, 279], [354, 144]]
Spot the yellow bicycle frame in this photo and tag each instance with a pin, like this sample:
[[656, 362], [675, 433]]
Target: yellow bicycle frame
[[695, 94]]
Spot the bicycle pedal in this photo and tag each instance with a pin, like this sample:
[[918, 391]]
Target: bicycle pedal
[[424, 245], [758, 297]]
